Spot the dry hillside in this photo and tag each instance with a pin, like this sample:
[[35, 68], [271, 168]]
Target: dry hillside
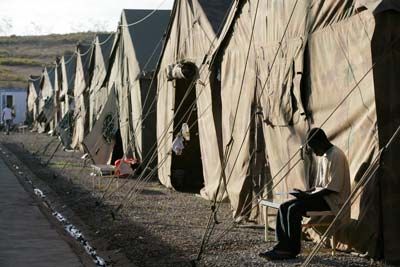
[[21, 56]]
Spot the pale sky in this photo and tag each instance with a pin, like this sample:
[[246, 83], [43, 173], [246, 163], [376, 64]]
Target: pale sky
[[35, 17]]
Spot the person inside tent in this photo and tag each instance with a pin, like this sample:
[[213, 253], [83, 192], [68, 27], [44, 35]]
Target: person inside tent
[[330, 191]]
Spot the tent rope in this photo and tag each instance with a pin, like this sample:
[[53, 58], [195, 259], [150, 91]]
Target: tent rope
[[70, 59], [153, 157], [153, 79], [133, 132], [189, 33], [229, 146], [153, 54], [73, 120], [68, 82], [86, 52], [321, 125], [164, 134], [146, 179], [268, 184], [149, 89], [35, 80], [44, 148], [143, 118], [228, 149], [145, 17], [140, 181], [107, 39]]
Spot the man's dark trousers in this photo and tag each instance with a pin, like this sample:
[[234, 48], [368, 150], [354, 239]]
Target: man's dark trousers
[[288, 221], [8, 126]]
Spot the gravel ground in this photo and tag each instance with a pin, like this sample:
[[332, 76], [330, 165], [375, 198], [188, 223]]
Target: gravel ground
[[159, 227]]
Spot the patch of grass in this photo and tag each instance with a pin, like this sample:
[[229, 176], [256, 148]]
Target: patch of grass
[[10, 77], [4, 53], [11, 84], [15, 61], [5, 72]]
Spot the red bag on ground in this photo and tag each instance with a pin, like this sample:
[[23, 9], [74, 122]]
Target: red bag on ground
[[123, 166]]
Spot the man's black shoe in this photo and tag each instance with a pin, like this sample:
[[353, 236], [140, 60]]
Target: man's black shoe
[[275, 255]]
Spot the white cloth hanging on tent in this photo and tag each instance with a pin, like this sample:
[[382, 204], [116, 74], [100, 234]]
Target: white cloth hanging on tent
[[177, 145], [185, 132]]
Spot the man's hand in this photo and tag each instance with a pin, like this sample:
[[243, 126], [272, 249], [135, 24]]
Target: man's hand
[[306, 191], [300, 194], [311, 193]]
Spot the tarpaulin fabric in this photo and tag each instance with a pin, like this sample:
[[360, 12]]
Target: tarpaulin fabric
[[57, 91], [48, 109], [237, 99], [64, 129], [192, 33], [113, 84], [46, 87], [327, 48], [81, 95], [99, 143], [377, 6], [68, 68], [98, 66], [33, 97], [385, 48], [344, 50], [133, 56], [33, 92], [46, 99], [143, 47], [144, 126]]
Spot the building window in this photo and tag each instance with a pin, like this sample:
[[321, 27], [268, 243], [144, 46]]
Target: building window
[[9, 101]]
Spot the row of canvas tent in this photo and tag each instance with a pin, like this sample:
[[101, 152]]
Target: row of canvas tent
[[250, 78], [71, 98]]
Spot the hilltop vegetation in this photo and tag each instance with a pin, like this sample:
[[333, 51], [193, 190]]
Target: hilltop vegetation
[[21, 56]]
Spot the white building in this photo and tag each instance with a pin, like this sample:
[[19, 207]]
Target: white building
[[15, 97]]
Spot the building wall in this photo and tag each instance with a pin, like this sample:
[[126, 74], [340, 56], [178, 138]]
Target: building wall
[[19, 103]]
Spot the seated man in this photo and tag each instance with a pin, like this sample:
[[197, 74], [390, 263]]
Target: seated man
[[332, 188]]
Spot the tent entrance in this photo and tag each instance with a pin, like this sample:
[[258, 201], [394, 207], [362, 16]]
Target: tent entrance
[[187, 168], [118, 151]]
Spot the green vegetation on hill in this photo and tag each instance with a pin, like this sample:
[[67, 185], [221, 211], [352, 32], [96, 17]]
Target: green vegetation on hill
[[16, 61], [10, 76], [21, 56], [72, 38]]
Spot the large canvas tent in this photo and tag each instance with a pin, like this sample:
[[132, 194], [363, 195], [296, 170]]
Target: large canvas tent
[[81, 95], [57, 92], [33, 99], [193, 31], [288, 66], [66, 99], [133, 58], [46, 100], [68, 66], [103, 44]]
